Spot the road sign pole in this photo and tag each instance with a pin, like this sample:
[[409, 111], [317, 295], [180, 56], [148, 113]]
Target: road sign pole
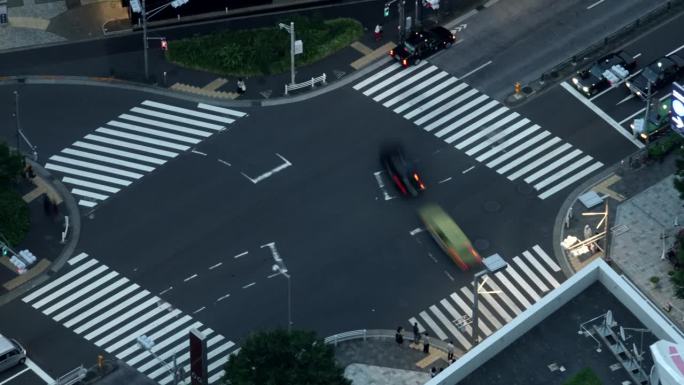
[[292, 52], [144, 22], [418, 23]]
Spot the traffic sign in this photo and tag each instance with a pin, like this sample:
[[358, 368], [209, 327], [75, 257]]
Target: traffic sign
[[677, 110]]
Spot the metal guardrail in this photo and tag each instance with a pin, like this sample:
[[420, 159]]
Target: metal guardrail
[[366, 334], [72, 377], [309, 83]]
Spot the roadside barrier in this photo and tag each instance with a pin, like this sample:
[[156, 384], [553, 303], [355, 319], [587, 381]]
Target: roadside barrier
[[72, 377], [309, 83]]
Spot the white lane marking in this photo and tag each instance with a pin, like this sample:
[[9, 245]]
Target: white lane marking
[[500, 135], [132, 323], [433, 325], [559, 174], [444, 180], [199, 310], [249, 285], [132, 146], [241, 254], [530, 274], [89, 194], [476, 69], [188, 112], [631, 96], [222, 110], [54, 284], [454, 113], [424, 95], [637, 55], [553, 166], [38, 371], [468, 310], [267, 174], [491, 285], [77, 259], [491, 104], [450, 326], [474, 126], [82, 279], [15, 376], [449, 276], [533, 261], [98, 294], [641, 111], [130, 337], [571, 180], [112, 311], [154, 336], [224, 162], [385, 71], [468, 169], [450, 309], [168, 126], [595, 4], [96, 186], [92, 166], [517, 278], [144, 139], [460, 19], [86, 203], [552, 264], [413, 321], [215, 266], [107, 159], [392, 79], [675, 50], [168, 341], [381, 185], [416, 88], [221, 298], [405, 84], [601, 114], [482, 308], [166, 290], [119, 320], [416, 231], [510, 287], [499, 123], [527, 155], [101, 305], [149, 131], [190, 277], [178, 119], [539, 161], [446, 95]]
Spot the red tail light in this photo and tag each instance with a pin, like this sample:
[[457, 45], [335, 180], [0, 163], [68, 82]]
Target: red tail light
[[391, 52], [417, 179], [399, 184], [404, 63]]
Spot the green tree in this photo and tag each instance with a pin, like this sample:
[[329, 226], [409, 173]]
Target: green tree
[[281, 358], [14, 213], [11, 164]]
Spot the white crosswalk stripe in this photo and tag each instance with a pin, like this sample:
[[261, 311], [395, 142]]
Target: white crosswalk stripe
[[136, 143], [500, 299], [485, 129], [110, 311]]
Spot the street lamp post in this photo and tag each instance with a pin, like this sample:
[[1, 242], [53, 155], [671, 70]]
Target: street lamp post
[[291, 30], [146, 343], [20, 133], [492, 264]]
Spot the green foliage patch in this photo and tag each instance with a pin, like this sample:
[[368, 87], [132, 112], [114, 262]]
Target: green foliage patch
[[585, 376]]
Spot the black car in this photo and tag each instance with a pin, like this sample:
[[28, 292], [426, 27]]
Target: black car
[[605, 72], [402, 172], [419, 45], [658, 74]]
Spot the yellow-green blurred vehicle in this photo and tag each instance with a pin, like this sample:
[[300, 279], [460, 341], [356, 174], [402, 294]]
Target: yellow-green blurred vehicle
[[449, 236]]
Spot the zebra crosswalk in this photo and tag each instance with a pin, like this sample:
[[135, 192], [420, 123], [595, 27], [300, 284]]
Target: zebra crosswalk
[[110, 311], [483, 128], [502, 297], [124, 150]]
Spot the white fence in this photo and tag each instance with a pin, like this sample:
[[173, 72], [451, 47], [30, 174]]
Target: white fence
[[309, 83]]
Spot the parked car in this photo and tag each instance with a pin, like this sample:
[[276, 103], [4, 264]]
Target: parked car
[[402, 171], [449, 236], [419, 45], [11, 353], [606, 71], [659, 74]]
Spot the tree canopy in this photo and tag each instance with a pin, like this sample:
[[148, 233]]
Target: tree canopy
[[284, 358]]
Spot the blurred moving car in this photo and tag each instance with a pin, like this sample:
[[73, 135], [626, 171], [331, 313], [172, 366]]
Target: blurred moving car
[[449, 236], [658, 74], [605, 72], [402, 172], [419, 45]]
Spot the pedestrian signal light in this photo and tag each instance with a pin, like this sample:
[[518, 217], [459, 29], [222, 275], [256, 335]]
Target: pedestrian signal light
[[386, 13], [5, 251], [164, 45]]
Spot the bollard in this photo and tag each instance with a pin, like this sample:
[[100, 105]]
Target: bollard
[[100, 361], [518, 87]]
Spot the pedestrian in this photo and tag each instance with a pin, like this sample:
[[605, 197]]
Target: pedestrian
[[399, 336], [426, 343], [241, 86], [416, 333], [450, 350], [433, 372], [378, 32]]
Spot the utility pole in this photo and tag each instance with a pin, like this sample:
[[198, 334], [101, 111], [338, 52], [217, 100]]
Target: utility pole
[[144, 21], [16, 116], [402, 21], [417, 22], [648, 108], [291, 30]]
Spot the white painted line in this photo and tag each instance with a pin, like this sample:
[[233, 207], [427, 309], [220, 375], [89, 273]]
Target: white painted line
[[468, 169], [510, 287], [454, 314], [77, 259], [523, 284], [57, 293], [132, 323], [101, 305], [198, 152], [601, 114], [87, 174], [533, 261], [168, 126], [112, 311], [559, 174], [554, 165], [270, 173], [393, 79], [144, 139], [552, 264], [449, 276], [123, 317], [492, 286], [190, 277], [490, 299], [92, 166], [479, 123], [416, 231], [149, 131], [538, 162], [460, 19], [527, 155], [414, 89], [38, 371], [215, 266], [17, 375], [631, 96], [166, 342], [444, 180], [444, 96], [484, 311], [476, 69], [641, 111], [490, 3], [637, 55], [96, 186], [468, 310], [107, 159], [595, 4], [530, 274], [675, 50], [86, 203], [89, 194], [178, 119], [433, 326], [221, 298], [166, 290], [241, 254], [199, 310], [424, 95], [273, 275], [505, 144], [224, 162], [448, 324], [412, 321], [571, 180], [54, 284], [188, 112], [454, 113], [460, 122], [98, 294], [157, 322], [168, 328], [485, 132], [222, 110], [131, 146], [392, 67], [405, 84], [249, 285]]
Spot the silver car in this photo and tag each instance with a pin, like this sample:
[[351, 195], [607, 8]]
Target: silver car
[[11, 353]]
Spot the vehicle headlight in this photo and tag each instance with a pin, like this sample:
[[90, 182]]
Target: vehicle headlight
[[585, 89], [628, 84], [575, 81], [644, 136], [638, 93]]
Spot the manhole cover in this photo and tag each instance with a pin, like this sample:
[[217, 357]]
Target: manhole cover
[[481, 244], [492, 207]]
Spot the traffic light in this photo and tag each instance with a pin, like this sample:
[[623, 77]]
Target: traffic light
[[164, 45], [386, 13], [5, 249]]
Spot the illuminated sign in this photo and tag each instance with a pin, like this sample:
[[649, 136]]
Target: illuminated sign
[[677, 110]]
